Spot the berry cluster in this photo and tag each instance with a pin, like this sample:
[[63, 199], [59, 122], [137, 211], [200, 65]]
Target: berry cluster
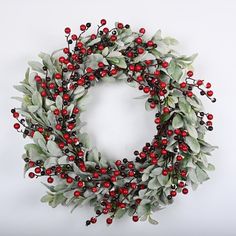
[[118, 185]]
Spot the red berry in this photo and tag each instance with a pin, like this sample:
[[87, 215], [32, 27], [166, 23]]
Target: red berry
[[173, 193], [100, 64], [15, 114], [165, 64], [66, 97], [38, 78], [31, 175], [166, 110], [189, 73], [157, 120], [142, 31], [142, 154], [77, 193], [73, 37], [120, 26], [50, 180], [105, 30], [58, 127], [125, 191], [133, 185], [140, 50], [162, 85], [57, 76], [61, 59], [69, 180], [179, 158], [43, 93], [40, 129], [37, 170], [199, 82], [138, 40], [210, 117], [184, 133], [56, 112], [106, 184], [135, 218], [66, 50], [16, 126], [80, 153], [67, 30], [157, 73], [185, 191], [83, 27], [146, 89], [76, 110], [169, 132], [118, 163], [181, 184], [163, 152], [208, 85], [109, 221], [93, 220], [103, 22], [150, 43], [94, 189], [113, 38], [183, 85], [48, 171], [189, 93], [80, 184], [165, 172], [209, 93]]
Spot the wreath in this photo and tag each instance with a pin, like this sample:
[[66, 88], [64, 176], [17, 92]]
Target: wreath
[[55, 94]]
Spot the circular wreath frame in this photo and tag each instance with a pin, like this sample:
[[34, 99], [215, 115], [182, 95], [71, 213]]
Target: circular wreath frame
[[55, 93]]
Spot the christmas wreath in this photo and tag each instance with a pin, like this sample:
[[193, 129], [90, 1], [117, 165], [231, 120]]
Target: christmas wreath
[[55, 93]]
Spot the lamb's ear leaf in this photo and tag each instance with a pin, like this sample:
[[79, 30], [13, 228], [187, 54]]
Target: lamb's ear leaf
[[193, 144], [53, 148]]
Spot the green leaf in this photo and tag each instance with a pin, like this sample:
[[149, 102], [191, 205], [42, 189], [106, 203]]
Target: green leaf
[[210, 167], [163, 180], [192, 175], [94, 41], [152, 221], [53, 148], [59, 102], [171, 101], [118, 61], [184, 106], [84, 138], [37, 66], [51, 161], [22, 89], [33, 109], [157, 171], [120, 213], [38, 136], [157, 36], [37, 99], [143, 57], [193, 144], [201, 175], [47, 61], [47, 198], [153, 183], [177, 73], [191, 130], [105, 51], [177, 122], [170, 41]]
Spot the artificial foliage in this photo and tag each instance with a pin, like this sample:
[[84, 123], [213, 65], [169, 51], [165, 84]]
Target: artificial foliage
[[55, 92]]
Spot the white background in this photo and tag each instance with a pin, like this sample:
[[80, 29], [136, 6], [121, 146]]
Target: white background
[[117, 123]]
